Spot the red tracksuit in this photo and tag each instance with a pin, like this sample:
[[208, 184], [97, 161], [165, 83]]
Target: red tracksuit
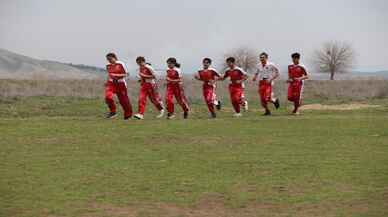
[[265, 91], [208, 88], [116, 85], [295, 88], [236, 89], [148, 89], [175, 89]]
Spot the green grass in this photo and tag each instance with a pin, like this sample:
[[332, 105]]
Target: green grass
[[58, 156]]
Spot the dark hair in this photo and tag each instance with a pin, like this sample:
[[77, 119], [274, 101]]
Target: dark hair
[[112, 55], [264, 54], [230, 60], [207, 60], [295, 55], [140, 59], [172, 60]]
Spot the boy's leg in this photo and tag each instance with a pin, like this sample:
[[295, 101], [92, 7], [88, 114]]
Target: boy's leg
[[170, 99], [181, 98], [235, 98], [208, 94], [274, 99], [295, 95], [109, 92], [155, 97], [122, 94], [265, 96], [142, 99], [298, 97]]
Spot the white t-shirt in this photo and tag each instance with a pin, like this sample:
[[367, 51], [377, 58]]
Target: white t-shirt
[[266, 72]]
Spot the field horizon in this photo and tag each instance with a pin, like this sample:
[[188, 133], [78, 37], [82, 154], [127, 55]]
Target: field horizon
[[61, 158]]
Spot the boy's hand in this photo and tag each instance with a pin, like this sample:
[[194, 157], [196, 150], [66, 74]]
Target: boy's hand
[[211, 82]]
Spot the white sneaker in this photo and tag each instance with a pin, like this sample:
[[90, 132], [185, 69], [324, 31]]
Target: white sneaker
[[245, 106], [237, 115], [139, 116], [161, 114], [169, 117], [296, 113]]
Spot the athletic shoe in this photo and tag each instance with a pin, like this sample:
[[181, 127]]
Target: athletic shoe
[[111, 115], [277, 104], [139, 116], [170, 116], [267, 113], [237, 115], [296, 113], [185, 115], [219, 106], [213, 115], [161, 114], [245, 106]]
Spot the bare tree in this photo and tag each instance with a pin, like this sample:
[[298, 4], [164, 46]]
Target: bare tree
[[334, 57], [246, 58]]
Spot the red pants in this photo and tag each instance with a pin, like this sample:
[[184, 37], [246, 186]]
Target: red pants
[[295, 91], [265, 92], [149, 90], [120, 89], [176, 90], [236, 96], [209, 94]]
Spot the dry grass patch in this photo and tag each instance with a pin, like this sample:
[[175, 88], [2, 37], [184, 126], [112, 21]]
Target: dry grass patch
[[212, 205], [340, 107]]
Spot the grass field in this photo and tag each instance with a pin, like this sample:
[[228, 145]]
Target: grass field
[[59, 158]]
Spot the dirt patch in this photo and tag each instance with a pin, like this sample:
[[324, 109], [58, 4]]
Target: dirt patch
[[213, 205], [341, 107]]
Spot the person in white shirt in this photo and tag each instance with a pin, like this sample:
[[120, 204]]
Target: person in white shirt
[[266, 74]]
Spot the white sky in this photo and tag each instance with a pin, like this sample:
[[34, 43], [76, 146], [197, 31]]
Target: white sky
[[82, 31]]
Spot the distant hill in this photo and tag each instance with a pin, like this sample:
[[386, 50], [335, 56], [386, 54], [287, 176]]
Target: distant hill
[[16, 66]]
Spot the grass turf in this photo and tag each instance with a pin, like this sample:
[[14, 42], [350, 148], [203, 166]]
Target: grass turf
[[58, 155]]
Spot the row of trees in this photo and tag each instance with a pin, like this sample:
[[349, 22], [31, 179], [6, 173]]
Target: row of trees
[[332, 58]]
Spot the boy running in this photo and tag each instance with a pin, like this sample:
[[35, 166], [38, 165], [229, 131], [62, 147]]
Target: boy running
[[297, 73], [237, 76], [267, 73], [116, 84], [175, 89], [209, 77], [148, 89]]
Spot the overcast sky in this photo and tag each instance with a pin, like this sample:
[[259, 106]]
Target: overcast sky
[[82, 31]]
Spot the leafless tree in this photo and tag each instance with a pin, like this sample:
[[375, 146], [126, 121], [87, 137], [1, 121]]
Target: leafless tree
[[334, 57], [246, 58]]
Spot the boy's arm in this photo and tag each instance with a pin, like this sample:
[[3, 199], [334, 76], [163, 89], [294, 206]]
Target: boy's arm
[[173, 80], [276, 74], [197, 77], [305, 75], [224, 76], [179, 79], [244, 77], [256, 75], [289, 80], [146, 76]]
